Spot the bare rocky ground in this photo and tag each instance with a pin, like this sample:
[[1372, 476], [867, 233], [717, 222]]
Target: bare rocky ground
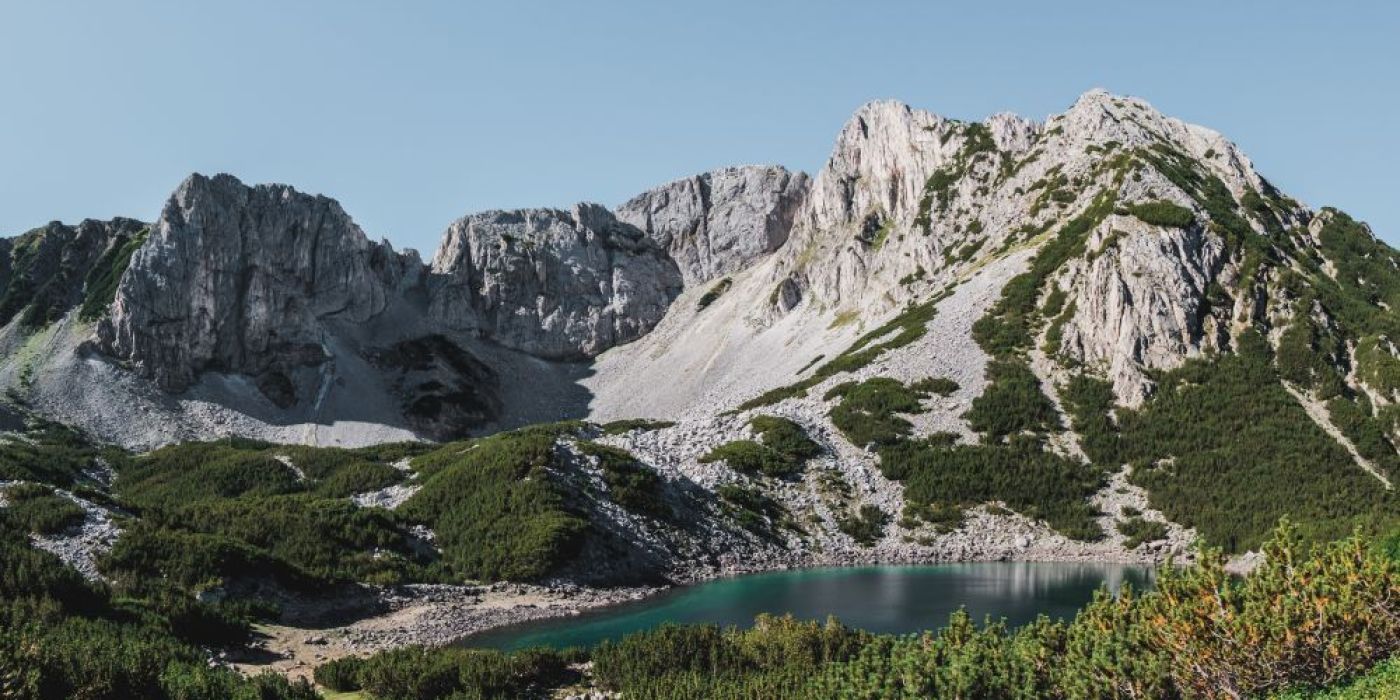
[[740, 365], [59, 375], [79, 546], [726, 369], [425, 614], [442, 614], [1131, 291]]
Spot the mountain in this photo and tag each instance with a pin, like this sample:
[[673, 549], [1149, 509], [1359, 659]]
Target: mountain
[[1098, 336]]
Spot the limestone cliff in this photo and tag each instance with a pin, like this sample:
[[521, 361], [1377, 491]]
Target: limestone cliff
[[282, 287], [552, 283], [719, 222], [243, 279]]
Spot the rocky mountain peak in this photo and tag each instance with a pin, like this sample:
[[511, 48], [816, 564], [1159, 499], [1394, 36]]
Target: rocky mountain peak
[[878, 166], [243, 279], [719, 222], [46, 271], [1099, 118], [1012, 132], [552, 283], [1145, 217]]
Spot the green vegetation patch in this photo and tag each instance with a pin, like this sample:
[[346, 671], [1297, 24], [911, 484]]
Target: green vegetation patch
[[495, 507], [193, 561], [329, 539], [63, 637], [869, 411], [631, 484], [782, 450], [1223, 448], [1367, 432], [238, 467], [1022, 473], [1139, 531], [1377, 364], [785, 436], [749, 457], [1367, 274], [38, 509], [714, 293], [1012, 403], [619, 427], [866, 526], [1307, 354], [1013, 465], [705, 661], [216, 512], [944, 517], [942, 386], [198, 471], [49, 453], [1090, 401], [1380, 683], [450, 672], [100, 287], [1163, 213], [752, 509]]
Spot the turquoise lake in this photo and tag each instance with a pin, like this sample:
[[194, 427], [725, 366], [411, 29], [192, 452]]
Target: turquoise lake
[[889, 599]]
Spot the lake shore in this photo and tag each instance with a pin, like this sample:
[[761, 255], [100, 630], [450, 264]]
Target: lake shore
[[436, 615], [430, 615]]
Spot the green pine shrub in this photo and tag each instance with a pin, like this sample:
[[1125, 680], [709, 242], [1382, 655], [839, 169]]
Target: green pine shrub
[[1162, 213]]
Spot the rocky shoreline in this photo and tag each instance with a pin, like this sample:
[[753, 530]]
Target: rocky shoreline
[[426, 614], [437, 615]]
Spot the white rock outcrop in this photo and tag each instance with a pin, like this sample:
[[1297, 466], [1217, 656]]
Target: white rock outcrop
[[242, 279], [552, 283], [269, 283], [719, 222]]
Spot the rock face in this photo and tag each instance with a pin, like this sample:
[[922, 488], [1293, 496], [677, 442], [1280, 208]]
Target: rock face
[[863, 226], [276, 285], [242, 279], [719, 222], [284, 288], [878, 167], [554, 284], [46, 271], [1141, 299], [1144, 305]]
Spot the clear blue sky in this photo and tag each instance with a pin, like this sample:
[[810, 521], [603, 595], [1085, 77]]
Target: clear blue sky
[[412, 117]]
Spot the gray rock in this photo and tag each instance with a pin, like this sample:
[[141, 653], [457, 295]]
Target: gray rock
[[1141, 304], [552, 283], [43, 272], [721, 221], [243, 279]]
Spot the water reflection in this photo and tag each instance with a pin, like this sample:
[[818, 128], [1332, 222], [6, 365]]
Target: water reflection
[[891, 599]]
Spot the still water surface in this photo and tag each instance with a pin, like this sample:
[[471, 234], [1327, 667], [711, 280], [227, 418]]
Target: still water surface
[[891, 599]]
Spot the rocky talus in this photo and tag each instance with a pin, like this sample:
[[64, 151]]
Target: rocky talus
[[1108, 243]]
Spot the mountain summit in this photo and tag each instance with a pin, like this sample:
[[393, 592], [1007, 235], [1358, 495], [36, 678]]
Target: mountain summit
[[1048, 317]]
